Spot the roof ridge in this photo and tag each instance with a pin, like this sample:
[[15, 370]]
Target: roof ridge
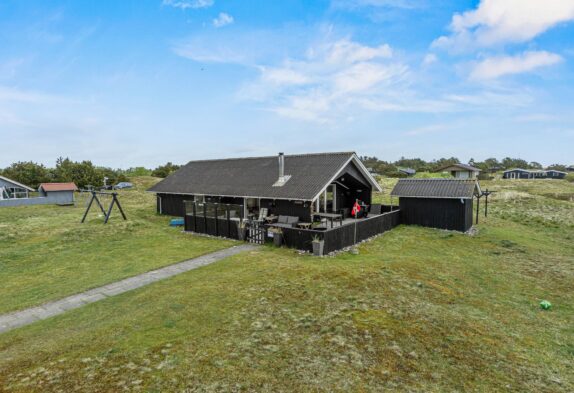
[[275, 156], [439, 179]]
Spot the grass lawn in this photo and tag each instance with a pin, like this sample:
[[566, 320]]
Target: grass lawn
[[417, 310], [46, 254]]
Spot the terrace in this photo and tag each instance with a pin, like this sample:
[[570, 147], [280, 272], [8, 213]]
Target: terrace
[[227, 220]]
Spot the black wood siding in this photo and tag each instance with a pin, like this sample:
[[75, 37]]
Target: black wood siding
[[288, 208], [437, 213], [172, 204]]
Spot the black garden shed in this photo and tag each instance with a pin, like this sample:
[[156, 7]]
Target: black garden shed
[[437, 203]]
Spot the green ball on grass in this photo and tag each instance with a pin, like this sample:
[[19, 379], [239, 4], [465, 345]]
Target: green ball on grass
[[545, 305]]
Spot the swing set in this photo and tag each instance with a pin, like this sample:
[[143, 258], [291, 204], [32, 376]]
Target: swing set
[[107, 214]]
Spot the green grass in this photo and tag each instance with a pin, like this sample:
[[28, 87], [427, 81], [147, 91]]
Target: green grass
[[46, 254], [417, 310]]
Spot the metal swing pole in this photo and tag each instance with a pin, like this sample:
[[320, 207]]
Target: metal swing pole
[[88, 208], [119, 206]]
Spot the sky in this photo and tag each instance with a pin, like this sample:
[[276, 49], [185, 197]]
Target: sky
[[142, 82]]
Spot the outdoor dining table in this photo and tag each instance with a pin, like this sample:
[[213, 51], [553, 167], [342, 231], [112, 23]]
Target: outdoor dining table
[[330, 217]]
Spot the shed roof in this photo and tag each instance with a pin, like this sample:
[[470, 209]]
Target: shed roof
[[436, 188], [48, 187], [256, 176], [16, 183]]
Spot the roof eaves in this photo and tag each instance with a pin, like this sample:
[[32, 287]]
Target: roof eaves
[[17, 183]]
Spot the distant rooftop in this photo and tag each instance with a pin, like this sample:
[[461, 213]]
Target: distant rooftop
[[48, 187]]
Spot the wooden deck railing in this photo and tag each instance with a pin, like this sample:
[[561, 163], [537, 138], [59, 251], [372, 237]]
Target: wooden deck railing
[[335, 238]]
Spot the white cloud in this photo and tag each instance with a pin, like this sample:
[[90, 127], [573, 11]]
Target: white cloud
[[246, 47], [329, 80], [429, 59], [185, 4], [283, 76], [505, 21], [494, 67], [223, 19], [348, 52]]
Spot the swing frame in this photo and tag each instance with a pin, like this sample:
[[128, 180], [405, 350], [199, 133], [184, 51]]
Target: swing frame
[[107, 214]]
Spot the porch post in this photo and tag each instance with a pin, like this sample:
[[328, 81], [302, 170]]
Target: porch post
[[325, 200], [334, 197]]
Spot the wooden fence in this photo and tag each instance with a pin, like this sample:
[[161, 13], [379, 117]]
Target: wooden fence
[[201, 218], [211, 219], [344, 236]]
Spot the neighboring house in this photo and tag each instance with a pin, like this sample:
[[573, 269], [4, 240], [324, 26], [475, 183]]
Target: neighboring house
[[49, 194], [58, 193], [518, 173], [407, 171], [554, 174], [290, 185], [461, 171], [570, 168], [437, 203], [11, 189]]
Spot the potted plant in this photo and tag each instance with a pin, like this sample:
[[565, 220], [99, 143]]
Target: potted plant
[[318, 246], [277, 236], [242, 230]]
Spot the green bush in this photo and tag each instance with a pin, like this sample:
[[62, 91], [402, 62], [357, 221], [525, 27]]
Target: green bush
[[570, 177]]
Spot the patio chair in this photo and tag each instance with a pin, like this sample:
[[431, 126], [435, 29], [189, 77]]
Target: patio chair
[[263, 212]]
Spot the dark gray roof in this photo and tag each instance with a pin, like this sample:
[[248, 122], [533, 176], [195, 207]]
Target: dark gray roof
[[436, 188], [409, 171], [463, 167], [517, 169], [255, 176]]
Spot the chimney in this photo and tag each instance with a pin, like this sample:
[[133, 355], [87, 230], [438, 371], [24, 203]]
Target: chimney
[[282, 177], [281, 166]]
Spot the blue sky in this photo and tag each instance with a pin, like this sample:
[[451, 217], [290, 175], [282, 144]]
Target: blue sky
[[126, 83]]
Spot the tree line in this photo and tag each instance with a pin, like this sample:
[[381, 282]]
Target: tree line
[[490, 165], [83, 173]]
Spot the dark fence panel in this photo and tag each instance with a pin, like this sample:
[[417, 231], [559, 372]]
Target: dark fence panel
[[215, 227], [335, 239], [211, 226], [343, 236], [300, 238]]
